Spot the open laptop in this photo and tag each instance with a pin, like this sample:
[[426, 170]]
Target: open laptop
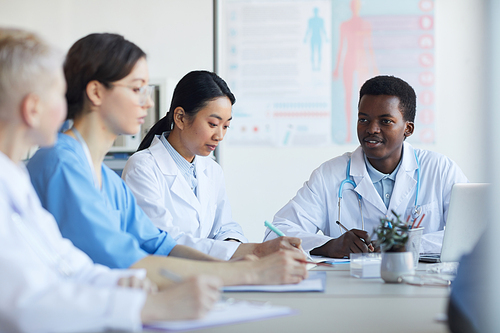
[[466, 220]]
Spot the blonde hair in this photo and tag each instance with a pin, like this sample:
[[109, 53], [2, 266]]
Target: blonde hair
[[27, 65]]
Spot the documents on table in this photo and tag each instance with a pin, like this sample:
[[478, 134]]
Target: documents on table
[[315, 282], [226, 313], [332, 261]]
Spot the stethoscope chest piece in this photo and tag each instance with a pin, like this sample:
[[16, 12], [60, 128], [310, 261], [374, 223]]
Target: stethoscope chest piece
[[417, 211]]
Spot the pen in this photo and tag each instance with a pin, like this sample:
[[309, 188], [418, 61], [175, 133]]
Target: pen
[[364, 241], [170, 275], [342, 226], [325, 264], [274, 229], [280, 233]]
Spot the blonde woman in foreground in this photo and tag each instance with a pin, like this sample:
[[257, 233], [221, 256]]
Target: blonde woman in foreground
[[47, 283]]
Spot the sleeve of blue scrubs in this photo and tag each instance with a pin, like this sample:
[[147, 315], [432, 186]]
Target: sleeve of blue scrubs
[[115, 237]]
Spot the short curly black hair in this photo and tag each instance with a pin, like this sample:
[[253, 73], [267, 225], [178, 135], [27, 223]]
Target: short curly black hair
[[393, 86]]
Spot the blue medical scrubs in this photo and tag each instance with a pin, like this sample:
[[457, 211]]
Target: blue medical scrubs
[[106, 224]]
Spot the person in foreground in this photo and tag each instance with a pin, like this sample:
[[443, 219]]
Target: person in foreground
[[382, 175], [108, 95], [182, 189], [47, 283], [473, 302]]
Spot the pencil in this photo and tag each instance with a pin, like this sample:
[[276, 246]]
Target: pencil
[[418, 225]]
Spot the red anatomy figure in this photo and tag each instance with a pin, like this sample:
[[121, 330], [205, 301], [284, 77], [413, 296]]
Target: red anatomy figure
[[355, 37]]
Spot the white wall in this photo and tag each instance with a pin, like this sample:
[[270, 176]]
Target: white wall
[[177, 35], [491, 261], [261, 180]]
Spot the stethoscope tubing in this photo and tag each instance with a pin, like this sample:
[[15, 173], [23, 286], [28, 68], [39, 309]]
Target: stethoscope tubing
[[348, 180]]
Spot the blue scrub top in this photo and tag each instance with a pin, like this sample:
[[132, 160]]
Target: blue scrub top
[[108, 225]]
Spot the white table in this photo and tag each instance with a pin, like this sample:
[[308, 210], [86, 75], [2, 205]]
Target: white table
[[351, 305]]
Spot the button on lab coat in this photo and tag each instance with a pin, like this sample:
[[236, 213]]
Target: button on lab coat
[[315, 207], [163, 193]]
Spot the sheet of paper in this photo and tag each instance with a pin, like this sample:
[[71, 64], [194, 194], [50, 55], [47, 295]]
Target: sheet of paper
[[315, 282], [226, 313], [328, 260]]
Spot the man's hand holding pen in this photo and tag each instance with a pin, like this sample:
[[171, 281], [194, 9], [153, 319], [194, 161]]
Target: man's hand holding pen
[[352, 241]]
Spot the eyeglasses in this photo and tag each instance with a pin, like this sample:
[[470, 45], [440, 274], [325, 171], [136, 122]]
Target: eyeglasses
[[144, 92], [425, 280]]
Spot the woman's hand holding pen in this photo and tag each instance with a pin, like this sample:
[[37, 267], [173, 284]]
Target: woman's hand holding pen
[[134, 282], [281, 267], [352, 241], [266, 248], [280, 243], [190, 299]]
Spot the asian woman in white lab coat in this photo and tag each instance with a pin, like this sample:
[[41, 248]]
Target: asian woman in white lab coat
[[179, 186]]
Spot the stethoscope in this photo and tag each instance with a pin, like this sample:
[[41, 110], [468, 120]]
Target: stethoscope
[[417, 210]]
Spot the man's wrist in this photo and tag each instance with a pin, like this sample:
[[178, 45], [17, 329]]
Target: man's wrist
[[323, 250], [232, 240]]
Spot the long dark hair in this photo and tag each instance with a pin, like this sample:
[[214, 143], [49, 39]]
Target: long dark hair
[[192, 93], [102, 57]]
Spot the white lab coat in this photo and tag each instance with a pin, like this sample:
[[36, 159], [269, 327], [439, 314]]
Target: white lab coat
[[163, 193], [47, 284], [315, 207]]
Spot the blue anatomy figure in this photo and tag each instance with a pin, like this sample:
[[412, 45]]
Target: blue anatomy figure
[[316, 29]]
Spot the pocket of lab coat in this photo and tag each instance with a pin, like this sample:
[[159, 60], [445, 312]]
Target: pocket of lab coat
[[432, 219]]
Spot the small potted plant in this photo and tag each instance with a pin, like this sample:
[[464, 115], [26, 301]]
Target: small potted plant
[[392, 237]]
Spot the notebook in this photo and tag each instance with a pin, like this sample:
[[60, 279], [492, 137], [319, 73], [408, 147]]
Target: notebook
[[224, 313], [465, 222], [315, 282]]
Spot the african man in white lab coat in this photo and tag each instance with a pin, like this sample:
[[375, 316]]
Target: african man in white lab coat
[[385, 174]]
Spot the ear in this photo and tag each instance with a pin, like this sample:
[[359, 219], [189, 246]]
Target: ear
[[410, 127], [179, 118], [31, 112], [94, 92]]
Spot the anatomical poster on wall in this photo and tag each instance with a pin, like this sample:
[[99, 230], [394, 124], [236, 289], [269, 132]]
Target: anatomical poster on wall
[[296, 66]]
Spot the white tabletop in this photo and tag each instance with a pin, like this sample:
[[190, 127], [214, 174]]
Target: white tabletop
[[351, 305]]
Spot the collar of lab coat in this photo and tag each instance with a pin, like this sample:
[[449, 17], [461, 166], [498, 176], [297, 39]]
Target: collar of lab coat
[[404, 186], [17, 182], [177, 182]]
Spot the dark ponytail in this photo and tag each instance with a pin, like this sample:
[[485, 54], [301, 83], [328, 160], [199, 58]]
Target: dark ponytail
[[192, 93]]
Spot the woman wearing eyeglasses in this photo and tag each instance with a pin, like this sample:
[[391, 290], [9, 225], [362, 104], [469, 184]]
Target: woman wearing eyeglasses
[[107, 95]]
